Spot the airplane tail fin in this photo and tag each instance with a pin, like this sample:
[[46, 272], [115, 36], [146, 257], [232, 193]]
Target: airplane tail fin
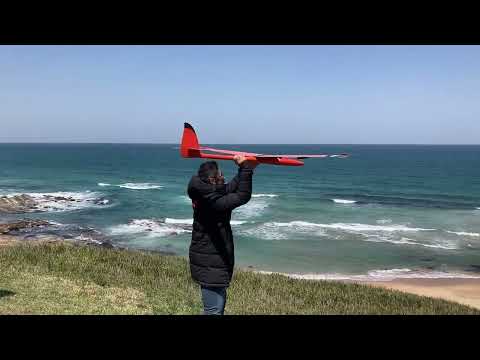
[[190, 146]]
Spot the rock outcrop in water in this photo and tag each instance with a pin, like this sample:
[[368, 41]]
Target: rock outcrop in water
[[17, 204], [9, 231], [41, 231], [21, 225]]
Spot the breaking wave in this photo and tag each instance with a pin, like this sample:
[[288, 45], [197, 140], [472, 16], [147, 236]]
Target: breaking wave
[[434, 201], [381, 275], [140, 186], [255, 207], [271, 231], [439, 244], [148, 227], [393, 234], [265, 232], [264, 195], [462, 233], [135, 186], [342, 201], [351, 227], [158, 227], [190, 221]]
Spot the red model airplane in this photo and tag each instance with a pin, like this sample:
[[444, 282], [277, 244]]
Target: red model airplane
[[190, 148]]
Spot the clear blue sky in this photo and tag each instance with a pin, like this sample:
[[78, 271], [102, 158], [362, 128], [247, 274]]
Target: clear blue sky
[[241, 94]]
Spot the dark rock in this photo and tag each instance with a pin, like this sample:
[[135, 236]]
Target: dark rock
[[100, 201], [107, 245], [61, 198], [474, 268], [21, 225]]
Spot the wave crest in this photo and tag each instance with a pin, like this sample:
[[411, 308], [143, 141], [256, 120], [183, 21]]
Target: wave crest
[[158, 227], [380, 275], [462, 233], [342, 201], [134, 186], [140, 186], [351, 227], [148, 227]]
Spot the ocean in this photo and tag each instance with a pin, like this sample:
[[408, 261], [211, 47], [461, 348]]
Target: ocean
[[387, 211]]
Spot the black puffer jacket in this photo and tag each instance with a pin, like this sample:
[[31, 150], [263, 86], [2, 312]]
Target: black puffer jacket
[[211, 252]]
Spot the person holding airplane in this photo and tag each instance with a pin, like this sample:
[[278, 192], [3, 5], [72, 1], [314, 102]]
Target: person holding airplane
[[211, 251]]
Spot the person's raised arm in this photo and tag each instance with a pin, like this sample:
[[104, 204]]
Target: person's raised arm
[[243, 192]]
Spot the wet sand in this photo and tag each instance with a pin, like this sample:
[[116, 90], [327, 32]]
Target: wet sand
[[464, 291]]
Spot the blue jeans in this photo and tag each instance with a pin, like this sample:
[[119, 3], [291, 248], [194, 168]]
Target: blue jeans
[[214, 299]]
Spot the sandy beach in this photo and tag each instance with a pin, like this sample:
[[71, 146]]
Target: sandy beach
[[463, 291]]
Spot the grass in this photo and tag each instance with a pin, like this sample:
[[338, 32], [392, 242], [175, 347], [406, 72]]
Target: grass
[[66, 279]]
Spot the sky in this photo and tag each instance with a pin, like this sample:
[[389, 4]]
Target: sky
[[241, 94]]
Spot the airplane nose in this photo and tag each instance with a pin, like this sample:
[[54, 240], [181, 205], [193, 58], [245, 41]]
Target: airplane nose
[[290, 162]]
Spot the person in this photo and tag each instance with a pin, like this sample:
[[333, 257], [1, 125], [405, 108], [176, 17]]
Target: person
[[211, 251]]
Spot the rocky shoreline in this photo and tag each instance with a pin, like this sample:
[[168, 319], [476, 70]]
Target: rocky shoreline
[[30, 203], [41, 231], [38, 232]]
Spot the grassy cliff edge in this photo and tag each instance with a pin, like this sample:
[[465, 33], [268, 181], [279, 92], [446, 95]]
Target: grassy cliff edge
[[66, 279]]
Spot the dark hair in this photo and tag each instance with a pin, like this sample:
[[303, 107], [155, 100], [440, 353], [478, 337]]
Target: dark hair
[[208, 169]]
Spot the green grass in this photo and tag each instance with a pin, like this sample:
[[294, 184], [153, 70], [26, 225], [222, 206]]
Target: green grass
[[65, 279]]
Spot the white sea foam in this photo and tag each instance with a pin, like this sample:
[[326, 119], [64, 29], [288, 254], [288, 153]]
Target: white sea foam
[[237, 222], [342, 201], [371, 233], [253, 208], [380, 275], [134, 186], [155, 228], [270, 231], [264, 195], [384, 221], [140, 186], [439, 244], [265, 232], [149, 227], [461, 233], [190, 221], [351, 227], [179, 221]]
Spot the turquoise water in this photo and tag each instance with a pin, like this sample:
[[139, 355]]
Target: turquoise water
[[385, 210]]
